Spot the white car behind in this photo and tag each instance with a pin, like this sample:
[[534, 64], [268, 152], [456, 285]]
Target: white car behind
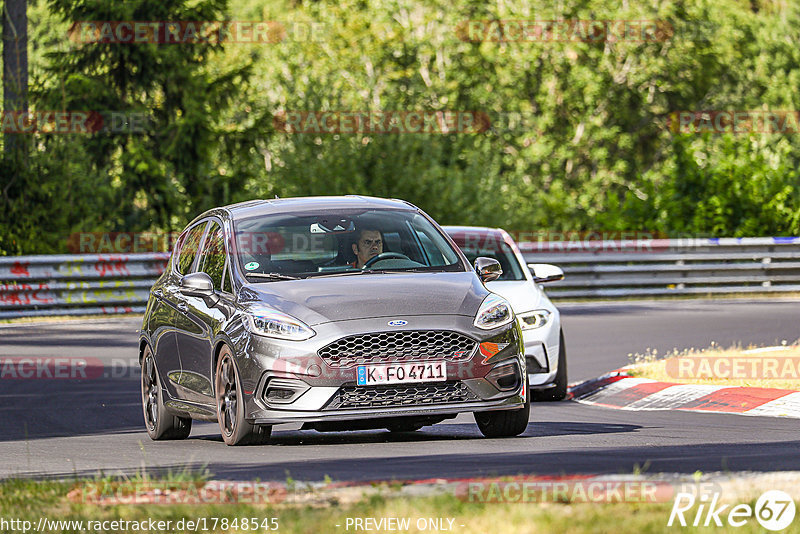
[[545, 353]]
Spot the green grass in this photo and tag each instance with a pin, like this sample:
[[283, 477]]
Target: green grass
[[29, 500], [698, 367], [65, 318]]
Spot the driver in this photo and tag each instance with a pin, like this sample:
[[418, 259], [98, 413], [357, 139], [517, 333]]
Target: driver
[[369, 243]]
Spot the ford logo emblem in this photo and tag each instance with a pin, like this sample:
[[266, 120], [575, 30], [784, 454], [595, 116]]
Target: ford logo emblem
[[398, 322]]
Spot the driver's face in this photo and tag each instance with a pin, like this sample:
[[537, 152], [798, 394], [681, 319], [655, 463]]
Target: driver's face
[[368, 245]]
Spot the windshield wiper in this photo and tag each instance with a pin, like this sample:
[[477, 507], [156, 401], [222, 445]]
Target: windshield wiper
[[273, 276], [338, 273], [405, 270], [374, 271]]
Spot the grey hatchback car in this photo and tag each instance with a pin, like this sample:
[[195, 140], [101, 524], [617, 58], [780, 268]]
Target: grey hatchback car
[[340, 313]]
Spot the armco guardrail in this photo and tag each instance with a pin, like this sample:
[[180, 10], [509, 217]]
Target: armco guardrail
[[82, 284], [613, 269], [112, 284]]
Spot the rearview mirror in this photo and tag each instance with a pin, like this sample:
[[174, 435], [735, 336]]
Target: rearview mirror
[[488, 269], [544, 272], [199, 285], [333, 225]]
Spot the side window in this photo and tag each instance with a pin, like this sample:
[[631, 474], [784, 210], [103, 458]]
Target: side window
[[227, 285], [212, 259], [188, 248], [435, 248]]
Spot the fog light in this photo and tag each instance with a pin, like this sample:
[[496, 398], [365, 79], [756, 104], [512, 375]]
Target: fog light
[[283, 390], [279, 394], [505, 377]]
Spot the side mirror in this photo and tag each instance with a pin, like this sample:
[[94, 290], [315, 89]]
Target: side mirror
[[199, 285], [488, 269], [544, 272]]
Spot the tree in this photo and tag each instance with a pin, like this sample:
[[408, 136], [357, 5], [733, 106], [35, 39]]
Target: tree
[[169, 170], [15, 69]]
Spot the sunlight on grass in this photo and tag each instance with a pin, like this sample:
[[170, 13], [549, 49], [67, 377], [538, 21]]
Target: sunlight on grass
[[763, 367]]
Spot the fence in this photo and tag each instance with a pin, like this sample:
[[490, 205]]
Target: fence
[[84, 284], [113, 284], [613, 269]]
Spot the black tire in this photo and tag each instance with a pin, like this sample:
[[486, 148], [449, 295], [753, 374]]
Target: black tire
[[160, 424], [504, 423], [559, 392], [234, 428]]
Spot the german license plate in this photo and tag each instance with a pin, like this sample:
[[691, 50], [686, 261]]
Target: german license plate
[[403, 373]]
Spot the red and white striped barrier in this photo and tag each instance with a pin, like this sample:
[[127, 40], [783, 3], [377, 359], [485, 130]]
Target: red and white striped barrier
[[618, 390]]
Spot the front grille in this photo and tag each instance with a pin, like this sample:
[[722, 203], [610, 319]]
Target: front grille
[[400, 395], [393, 347]]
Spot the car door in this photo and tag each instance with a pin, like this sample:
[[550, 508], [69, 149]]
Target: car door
[[161, 325], [170, 294], [196, 343]]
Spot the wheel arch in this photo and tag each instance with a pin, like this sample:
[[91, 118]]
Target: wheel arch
[[143, 342], [221, 341]]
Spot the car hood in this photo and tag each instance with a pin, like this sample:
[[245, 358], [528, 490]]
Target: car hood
[[342, 298], [523, 295]]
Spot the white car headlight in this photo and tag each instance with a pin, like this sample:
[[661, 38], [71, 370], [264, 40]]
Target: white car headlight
[[494, 311], [271, 323], [534, 319]]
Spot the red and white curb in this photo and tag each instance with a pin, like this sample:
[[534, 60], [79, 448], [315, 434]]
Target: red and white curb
[[618, 390]]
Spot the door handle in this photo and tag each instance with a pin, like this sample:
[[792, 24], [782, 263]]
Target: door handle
[[182, 306]]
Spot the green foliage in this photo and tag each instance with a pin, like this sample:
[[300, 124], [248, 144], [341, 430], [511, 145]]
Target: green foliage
[[128, 180], [580, 138], [592, 150]]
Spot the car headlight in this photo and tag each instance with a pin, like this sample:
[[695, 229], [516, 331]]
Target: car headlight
[[534, 319], [494, 311], [271, 323]]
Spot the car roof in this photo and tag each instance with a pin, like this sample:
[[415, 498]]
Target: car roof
[[461, 232], [258, 207], [282, 205], [475, 230]]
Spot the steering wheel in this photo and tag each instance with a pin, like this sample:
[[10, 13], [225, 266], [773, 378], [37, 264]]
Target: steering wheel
[[385, 256]]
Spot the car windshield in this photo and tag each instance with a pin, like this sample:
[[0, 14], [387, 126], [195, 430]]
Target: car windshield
[[280, 246], [477, 244]]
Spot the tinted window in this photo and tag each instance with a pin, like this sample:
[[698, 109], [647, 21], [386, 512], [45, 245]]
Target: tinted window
[[188, 248], [490, 246], [323, 242], [212, 259], [227, 286]]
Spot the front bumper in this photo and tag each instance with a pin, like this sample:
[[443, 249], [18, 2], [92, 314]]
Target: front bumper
[[319, 387], [541, 352], [272, 417]]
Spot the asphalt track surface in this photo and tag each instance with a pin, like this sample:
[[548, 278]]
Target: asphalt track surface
[[62, 428]]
